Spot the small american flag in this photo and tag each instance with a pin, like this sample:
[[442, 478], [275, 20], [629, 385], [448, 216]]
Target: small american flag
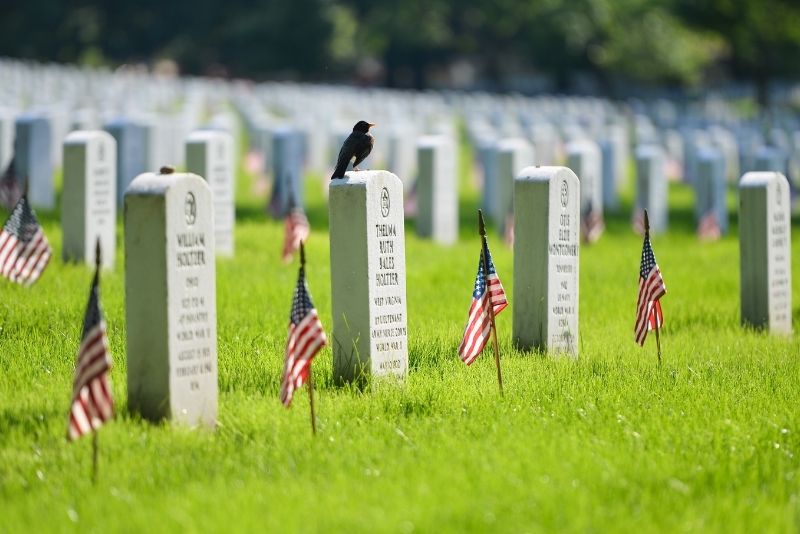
[[92, 404], [296, 231], [306, 338], [476, 334], [592, 226], [24, 250], [651, 289], [10, 190], [708, 227]]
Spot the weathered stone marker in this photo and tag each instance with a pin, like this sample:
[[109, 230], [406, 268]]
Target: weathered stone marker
[[170, 293], [132, 152], [209, 153], [368, 276], [287, 171], [546, 247], [513, 155], [437, 190], [33, 159], [710, 188], [765, 251], [651, 186], [89, 197]]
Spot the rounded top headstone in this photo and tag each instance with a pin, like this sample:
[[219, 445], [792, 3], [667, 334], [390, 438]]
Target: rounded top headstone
[[762, 178], [151, 183], [83, 136], [546, 174]]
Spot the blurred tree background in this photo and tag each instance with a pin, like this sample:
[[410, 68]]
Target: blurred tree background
[[523, 45]]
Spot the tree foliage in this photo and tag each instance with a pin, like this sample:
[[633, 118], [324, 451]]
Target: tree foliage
[[415, 42]]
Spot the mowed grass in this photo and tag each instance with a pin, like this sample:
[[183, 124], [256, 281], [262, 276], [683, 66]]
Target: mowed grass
[[709, 441]]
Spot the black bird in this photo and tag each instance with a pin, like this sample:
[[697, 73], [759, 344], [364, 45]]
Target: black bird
[[355, 148]]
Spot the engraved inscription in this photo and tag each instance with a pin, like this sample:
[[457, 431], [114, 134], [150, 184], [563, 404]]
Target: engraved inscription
[[563, 285]]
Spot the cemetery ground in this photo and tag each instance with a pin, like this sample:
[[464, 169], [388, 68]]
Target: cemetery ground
[[709, 441]]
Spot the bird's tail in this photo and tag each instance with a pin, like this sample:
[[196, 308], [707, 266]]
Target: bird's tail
[[340, 170]]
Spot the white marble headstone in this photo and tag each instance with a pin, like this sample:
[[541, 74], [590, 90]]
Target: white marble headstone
[[209, 153], [368, 276], [33, 159], [170, 298], [651, 185], [89, 197], [765, 251], [546, 249], [437, 190], [513, 155]]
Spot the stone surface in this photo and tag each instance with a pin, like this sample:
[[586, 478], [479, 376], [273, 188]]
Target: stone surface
[[89, 197], [287, 171], [710, 187], [7, 117], [210, 153], [170, 299], [486, 150], [33, 159], [437, 190], [584, 158], [651, 185], [765, 251], [546, 249], [368, 276], [611, 183], [513, 155], [132, 151]]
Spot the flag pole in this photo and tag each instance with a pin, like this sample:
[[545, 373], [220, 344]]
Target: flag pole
[[95, 444], [310, 369], [657, 327], [485, 261]]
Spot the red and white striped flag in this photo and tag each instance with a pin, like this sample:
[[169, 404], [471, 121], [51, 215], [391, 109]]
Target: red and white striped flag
[[708, 227], [306, 338], [476, 334], [296, 231], [592, 226], [10, 189], [92, 404], [24, 250], [651, 289]]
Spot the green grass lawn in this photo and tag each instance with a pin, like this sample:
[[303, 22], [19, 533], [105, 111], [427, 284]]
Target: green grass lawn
[[709, 441]]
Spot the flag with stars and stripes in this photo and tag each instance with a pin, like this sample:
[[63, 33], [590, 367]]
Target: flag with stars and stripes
[[10, 189], [92, 404], [296, 230], [24, 250], [651, 289], [476, 334], [306, 338]]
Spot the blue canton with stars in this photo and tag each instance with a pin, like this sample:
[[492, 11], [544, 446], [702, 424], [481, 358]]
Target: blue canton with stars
[[648, 258], [480, 283], [301, 305]]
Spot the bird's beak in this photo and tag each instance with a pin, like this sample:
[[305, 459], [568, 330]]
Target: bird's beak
[[371, 124]]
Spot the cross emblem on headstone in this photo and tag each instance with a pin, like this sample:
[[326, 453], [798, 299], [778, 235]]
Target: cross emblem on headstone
[[385, 202], [190, 208]]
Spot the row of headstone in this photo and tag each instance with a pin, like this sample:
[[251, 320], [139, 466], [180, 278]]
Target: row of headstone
[[170, 274]]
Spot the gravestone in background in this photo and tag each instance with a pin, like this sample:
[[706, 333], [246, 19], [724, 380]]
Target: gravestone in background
[[437, 190], [7, 118], [170, 298], [368, 276], [546, 248], [89, 197], [287, 171], [33, 159], [651, 186], [513, 155], [765, 251], [209, 153], [709, 188], [486, 150], [132, 151]]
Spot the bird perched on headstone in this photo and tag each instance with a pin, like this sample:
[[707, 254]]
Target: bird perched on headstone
[[355, 148]]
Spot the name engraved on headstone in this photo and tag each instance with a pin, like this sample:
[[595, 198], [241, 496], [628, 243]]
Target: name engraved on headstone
[[765, 251], [171, 298], [89, 207], [368, 282], [546, 251]]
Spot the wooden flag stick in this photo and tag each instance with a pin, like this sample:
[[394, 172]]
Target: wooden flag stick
[[485, 260], [95, 445], [94, 456], [647, 236], [310, 381]]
